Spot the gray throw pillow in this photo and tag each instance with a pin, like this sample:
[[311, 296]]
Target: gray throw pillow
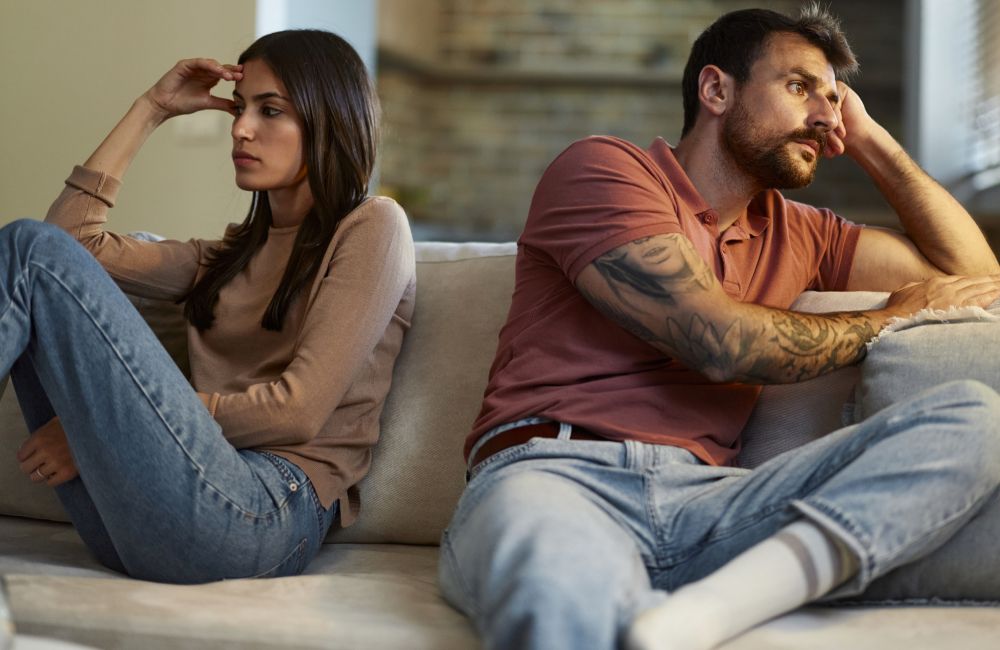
[[900, 364], [904, 362]]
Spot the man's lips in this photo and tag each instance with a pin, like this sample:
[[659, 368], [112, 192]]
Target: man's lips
[[812, 144]]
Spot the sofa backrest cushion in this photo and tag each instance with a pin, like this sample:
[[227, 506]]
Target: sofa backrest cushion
[[417, 474]]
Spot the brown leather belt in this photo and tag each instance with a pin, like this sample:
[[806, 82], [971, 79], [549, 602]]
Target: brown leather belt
[[521, 435]]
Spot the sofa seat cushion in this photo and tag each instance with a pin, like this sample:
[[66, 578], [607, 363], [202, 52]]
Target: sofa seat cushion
[[353, 596], [377, 596]]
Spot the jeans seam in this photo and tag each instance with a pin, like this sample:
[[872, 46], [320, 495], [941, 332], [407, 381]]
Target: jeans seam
[[852, 535], [17, 285], [468, 601], [504, 454], [296, 553], [672, 559], [142, 389], [654, 521]]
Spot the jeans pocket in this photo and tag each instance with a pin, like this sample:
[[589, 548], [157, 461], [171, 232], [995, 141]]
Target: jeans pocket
[[292, 565], [282, 479]]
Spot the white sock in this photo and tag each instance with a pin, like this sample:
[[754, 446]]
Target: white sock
[[798, 564]]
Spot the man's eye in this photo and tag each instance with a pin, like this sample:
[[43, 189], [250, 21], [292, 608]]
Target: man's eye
[[797, 87]]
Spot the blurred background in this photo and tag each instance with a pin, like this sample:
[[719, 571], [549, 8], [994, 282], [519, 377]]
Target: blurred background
[[478, 97]]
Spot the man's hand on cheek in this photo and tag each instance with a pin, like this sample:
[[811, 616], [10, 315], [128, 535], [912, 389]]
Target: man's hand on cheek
[[854, 123]]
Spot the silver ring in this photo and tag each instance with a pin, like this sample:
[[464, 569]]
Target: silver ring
[[38, 471]]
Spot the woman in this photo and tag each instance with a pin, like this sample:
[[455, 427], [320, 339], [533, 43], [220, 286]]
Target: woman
[[295, 320]]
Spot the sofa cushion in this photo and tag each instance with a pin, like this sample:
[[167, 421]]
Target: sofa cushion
[[418, 472], [367, 596], [18, 495], [926, 351], [361, 596], [417, 475], [790, 415]]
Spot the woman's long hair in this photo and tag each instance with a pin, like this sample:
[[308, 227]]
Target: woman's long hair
[[332, 92]]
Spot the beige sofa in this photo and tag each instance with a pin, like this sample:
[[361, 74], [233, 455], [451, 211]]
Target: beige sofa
[[374, 584]]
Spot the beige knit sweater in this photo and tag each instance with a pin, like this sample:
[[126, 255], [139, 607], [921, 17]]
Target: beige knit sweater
[[311, 393]]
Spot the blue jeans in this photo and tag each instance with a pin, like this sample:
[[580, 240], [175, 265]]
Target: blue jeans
[[161, 494], [559, 543]]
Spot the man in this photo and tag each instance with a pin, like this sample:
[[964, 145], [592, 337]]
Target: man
[[650, 302]]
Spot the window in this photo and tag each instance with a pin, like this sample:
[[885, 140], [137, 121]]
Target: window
[[954, 96]]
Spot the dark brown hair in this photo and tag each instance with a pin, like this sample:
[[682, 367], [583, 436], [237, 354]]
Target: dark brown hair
[[735, 41], [333, 94]]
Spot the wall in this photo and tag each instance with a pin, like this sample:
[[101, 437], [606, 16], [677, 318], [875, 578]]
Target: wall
[[499, 88], [71, 70]]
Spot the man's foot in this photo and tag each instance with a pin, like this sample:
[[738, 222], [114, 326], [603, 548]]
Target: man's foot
[[664, 628]]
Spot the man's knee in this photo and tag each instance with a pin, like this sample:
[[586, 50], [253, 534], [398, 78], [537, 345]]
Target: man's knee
[[536, 553], [973, 412]]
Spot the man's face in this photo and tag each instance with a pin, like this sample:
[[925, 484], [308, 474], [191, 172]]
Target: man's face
[[776, 130]]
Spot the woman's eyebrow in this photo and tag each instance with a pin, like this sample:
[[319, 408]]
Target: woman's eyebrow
[[261, 96]]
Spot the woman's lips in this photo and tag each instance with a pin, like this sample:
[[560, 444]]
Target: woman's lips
[[241, 159]]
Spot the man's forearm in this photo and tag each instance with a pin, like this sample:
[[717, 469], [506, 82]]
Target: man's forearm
[[753, 344], [660, 290], [937, 223], [779, 347]]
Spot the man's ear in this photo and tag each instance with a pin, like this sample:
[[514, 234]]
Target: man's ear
[[716, 90]]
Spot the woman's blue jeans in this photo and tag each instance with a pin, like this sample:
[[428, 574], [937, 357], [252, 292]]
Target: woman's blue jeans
[[161, 494], [559, 543]]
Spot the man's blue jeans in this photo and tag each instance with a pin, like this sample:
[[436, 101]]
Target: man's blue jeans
[[558, 543], [161, 494]]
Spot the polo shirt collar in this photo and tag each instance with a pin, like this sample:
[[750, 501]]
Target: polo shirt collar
[[663, 154], [756, 218]]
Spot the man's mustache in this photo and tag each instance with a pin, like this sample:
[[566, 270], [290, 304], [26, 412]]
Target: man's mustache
[[819, 137]]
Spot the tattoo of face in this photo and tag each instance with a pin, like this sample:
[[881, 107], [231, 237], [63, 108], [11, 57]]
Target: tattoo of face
[[656, 267]]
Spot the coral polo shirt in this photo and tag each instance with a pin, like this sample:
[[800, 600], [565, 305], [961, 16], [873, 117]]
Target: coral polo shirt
[[560, 358]]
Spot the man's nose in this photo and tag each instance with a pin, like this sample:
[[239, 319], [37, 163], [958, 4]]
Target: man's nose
[[824, 115]]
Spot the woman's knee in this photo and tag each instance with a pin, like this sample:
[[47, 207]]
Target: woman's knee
[[24, 235]]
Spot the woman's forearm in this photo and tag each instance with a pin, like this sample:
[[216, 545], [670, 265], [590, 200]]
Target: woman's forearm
[[116, 152]]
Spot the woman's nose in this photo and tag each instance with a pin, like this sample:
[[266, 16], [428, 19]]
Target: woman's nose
[[242, 129]]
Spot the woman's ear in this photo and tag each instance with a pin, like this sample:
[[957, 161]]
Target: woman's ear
[[716, 90]]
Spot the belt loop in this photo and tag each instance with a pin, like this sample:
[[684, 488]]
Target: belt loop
[[565, 431]]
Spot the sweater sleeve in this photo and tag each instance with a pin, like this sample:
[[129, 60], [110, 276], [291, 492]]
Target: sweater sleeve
[[164, 270], [370, 272]]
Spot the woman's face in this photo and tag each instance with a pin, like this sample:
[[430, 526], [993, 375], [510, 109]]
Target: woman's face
[[267, 133]]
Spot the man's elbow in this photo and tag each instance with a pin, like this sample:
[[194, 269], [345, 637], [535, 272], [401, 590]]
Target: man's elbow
[[719, 372]]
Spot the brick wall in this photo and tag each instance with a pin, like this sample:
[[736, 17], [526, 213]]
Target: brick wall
[[471, 123]]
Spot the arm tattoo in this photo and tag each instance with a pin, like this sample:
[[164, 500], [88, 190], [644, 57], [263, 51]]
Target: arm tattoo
[[680, 275], [657, 287]]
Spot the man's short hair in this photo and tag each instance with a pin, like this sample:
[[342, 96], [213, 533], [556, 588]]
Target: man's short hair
[[735, 41]]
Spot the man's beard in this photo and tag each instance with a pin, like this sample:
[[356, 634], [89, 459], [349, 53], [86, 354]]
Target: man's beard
[[769, 161]]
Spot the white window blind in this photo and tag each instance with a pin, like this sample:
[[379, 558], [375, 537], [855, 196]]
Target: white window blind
[[984, 91], [954, 96]]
